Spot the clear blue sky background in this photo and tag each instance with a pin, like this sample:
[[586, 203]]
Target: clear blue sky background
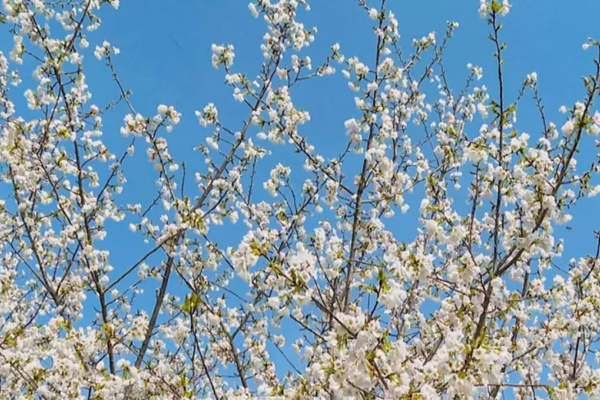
[[165, 59], [166, 53]]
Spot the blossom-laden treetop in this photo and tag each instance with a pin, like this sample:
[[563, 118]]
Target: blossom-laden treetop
[[320, 299]]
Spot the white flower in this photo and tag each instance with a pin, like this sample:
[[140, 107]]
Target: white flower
[[273, 302], [505, 8], [482, 110], [99, 52], [222, 55], [568, 128], [594, 192], [483, 8], [238, 95], [209, 115], [361, 70], [253, 10]]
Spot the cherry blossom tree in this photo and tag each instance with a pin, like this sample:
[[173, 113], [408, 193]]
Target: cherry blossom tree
[[320, 299]]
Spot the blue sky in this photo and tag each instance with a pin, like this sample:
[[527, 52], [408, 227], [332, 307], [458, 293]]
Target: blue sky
[[165, 58]]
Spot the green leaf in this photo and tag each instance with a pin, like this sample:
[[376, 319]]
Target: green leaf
[[186, 305]]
